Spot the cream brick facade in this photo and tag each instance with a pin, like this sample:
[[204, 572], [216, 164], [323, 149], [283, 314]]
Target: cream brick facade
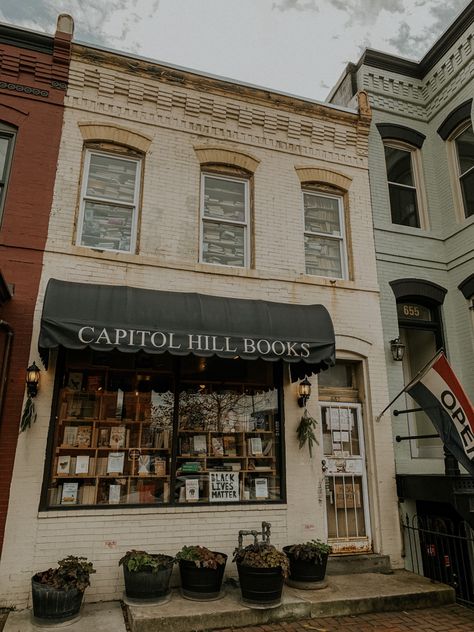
[[182, 120]]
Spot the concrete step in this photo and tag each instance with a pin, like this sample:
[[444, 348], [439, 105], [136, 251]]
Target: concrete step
[[360, 563], [345, 595]]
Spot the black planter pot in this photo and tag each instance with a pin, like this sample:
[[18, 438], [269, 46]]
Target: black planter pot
[[147, 586], [54, 604], [306, 570], [201, 583], [260, 587]]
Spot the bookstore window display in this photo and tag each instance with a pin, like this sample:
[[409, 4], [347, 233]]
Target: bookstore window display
[[324, 235], [109, 202], [139, 437]]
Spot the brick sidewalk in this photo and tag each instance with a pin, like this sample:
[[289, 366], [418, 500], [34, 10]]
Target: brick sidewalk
[[446, 619]]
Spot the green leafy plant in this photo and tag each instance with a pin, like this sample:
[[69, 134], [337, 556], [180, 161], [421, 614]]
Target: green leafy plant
[[29, 415], [202, 557], [73, 572], [141, 561], [313, 550], [262, 555], [305, 432]]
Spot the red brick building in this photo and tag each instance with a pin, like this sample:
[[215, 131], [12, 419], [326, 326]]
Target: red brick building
[[33, 79]]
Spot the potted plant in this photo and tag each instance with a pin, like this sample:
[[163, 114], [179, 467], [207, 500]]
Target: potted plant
[[201, 572], [262, 569], [147, 575], [58, 592], [308, 561]]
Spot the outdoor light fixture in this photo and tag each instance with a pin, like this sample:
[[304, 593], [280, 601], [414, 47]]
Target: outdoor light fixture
[[304, 392], [32, 380], [397, 348]]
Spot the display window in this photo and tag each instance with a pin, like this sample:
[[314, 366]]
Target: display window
[[137, 429]]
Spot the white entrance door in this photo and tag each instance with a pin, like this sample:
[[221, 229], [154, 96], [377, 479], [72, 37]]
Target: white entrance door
[[347, 511]]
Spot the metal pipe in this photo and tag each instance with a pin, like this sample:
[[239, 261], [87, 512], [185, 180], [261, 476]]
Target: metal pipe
[[5, 360], [398, 438]]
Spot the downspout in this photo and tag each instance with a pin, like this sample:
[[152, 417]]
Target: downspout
[[5, 360]]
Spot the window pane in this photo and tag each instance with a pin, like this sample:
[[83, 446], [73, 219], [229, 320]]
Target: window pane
[[224, 199], [107, 226], [467, 185], [399, 168], [465, 148], [321, 214], [223, 244], [323, 256], [403, 206], [111, 178], [4, 142]]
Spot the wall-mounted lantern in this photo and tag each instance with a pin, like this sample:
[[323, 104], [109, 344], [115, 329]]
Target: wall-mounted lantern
[[398, 349], [304, 392]]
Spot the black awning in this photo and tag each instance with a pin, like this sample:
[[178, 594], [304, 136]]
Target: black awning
[[106, 317]]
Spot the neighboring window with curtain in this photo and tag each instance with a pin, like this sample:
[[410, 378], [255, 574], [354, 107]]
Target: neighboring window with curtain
[[464, 144], [402, 185], [7, 141]]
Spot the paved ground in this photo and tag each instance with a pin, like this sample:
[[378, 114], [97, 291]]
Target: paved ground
[[445, 619]]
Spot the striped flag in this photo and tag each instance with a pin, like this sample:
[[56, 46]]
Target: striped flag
[[437, 390]]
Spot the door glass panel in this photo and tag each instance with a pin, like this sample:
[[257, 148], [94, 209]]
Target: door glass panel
[[344, 507]]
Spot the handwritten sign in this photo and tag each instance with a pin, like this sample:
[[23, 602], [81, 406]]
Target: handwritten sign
[[223, 487]]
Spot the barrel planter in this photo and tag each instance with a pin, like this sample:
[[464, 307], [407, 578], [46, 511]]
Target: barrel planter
[[260, 587], [307, 570], [55, 605], [147, 585], [201, 583]]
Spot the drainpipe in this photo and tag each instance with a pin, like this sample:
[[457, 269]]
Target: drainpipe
[[5, 360]]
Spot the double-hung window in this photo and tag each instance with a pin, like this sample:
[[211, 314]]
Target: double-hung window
[[464, 143], [324, 238], [109, 202], [225, 215], [7, 139], [402, 186]]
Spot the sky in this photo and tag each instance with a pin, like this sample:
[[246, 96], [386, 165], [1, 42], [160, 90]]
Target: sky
[[295, 46]]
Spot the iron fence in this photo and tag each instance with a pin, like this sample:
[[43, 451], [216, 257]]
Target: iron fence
[[442, 550]]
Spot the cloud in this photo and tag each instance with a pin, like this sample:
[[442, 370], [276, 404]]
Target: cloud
[[92, 17], [298, 5], [410, 43]]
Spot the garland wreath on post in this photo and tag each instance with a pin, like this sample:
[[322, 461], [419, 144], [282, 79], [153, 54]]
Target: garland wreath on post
[[29, 415], [305, 432]]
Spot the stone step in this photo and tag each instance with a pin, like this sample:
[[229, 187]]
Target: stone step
[[345, 595], [360, 563]]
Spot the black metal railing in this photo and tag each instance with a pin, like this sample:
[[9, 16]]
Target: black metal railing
[[442, 550]]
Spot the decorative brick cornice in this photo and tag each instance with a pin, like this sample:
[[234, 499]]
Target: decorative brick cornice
[[220, 155], [18, 87], [115, 134], [324, 176]]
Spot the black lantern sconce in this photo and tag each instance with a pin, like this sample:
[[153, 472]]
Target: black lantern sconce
[[398, 349], [32, 380], [304, 392]]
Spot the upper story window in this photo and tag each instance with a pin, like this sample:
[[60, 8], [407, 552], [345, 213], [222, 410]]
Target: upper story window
[[109, 202], [225, 217], [402, 186], [7, 139], [324, 238], [464, 143]]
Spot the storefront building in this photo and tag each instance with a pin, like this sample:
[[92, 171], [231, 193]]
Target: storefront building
[[209, 245], [421, 161], [33, 81]]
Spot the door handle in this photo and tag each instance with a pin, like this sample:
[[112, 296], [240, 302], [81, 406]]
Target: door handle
[[324, 467]]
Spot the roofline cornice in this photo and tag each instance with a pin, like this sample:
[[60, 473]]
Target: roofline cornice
[[24, 38], [203, 82]]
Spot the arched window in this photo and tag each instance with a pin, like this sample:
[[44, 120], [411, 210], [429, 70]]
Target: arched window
[[457, 129], [403, 163]]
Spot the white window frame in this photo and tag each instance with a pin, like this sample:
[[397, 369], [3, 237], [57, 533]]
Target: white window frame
[[341, 239], [86, 198], [217, 220], [456, 169], [417, 175], [9, 134]]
